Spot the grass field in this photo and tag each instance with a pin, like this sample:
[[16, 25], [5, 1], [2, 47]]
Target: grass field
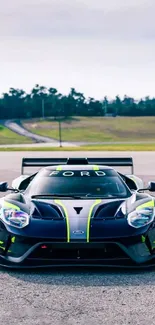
[[121, 147], [99, 129], [9, 137]]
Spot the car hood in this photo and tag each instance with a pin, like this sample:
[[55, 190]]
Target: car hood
[[77, 213], [82, 218], [77, 208]]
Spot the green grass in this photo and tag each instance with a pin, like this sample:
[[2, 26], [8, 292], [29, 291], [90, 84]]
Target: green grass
[[121, 147], [91, 129], [9, 137]]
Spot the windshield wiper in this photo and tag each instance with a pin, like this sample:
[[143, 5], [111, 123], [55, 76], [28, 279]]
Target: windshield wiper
[[74, 196], [40, 196], [108, 196]]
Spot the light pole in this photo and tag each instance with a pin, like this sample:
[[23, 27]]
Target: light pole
[[60, 139], [43, 108]]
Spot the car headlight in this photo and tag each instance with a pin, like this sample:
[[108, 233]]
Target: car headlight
[[141, 217], [18, 219]]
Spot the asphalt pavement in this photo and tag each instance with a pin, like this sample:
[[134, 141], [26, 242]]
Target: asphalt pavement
[[77, 296], [10, 162]]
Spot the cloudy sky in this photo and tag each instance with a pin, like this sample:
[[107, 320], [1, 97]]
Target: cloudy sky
[[100, 47]]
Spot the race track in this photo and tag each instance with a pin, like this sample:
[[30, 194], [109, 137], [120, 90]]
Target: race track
[[82, 296]]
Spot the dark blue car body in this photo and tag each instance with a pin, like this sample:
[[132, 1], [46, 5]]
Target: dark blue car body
[[78, 228]]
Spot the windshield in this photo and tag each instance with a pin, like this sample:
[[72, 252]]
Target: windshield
[[102, 183]]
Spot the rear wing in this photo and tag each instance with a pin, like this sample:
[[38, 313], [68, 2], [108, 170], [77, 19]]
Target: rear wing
[[44, 162]]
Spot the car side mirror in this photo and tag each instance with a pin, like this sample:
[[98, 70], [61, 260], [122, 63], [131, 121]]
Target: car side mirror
[[3, 187], [151, 186]]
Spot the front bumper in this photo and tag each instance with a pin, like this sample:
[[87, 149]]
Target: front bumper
[[22, 251], [24, 254]]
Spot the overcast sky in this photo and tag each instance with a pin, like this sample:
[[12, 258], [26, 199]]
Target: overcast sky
[[100, 47]]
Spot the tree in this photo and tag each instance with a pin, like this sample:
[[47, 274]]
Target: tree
[[13, 102], [105, 104], [17, 104]]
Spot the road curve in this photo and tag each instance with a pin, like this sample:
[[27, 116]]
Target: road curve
[[46, 141], [37, 138], [76, 296]]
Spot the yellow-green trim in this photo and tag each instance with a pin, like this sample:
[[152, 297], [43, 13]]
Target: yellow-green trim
[[67, 218], [143, 239], [10, 206], [59, 168], [146, 205], [13, 239], [89, 218], [95, 167]]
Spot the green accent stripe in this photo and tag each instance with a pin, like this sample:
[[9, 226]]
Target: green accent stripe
[[67, 218], [95, 167], [10, 205], [59, 168], [146, 205], [143, 239], [89, 218], [1, 242], [13, 239]]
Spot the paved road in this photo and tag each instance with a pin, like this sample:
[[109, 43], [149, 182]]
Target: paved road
[[10, 162], [85, 297]]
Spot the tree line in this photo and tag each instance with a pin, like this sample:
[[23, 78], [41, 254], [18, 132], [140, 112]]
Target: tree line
[[45, 102]]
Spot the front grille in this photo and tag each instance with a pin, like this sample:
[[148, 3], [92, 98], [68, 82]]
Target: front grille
[[110, 251]]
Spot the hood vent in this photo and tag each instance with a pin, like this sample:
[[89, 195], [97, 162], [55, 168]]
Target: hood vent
[[108, 210], [47, 211]]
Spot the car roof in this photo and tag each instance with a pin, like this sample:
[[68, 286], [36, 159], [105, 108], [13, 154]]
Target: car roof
[[78, 167]]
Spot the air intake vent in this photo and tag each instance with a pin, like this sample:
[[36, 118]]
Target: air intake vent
[[107, 210], [47, 212]]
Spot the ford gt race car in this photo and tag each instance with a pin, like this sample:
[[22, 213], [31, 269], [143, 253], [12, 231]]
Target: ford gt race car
[[77, 212]]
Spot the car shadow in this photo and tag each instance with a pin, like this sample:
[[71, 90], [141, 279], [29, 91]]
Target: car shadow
[[84, 277]]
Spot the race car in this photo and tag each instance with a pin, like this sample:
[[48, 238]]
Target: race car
[[77, 212]]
